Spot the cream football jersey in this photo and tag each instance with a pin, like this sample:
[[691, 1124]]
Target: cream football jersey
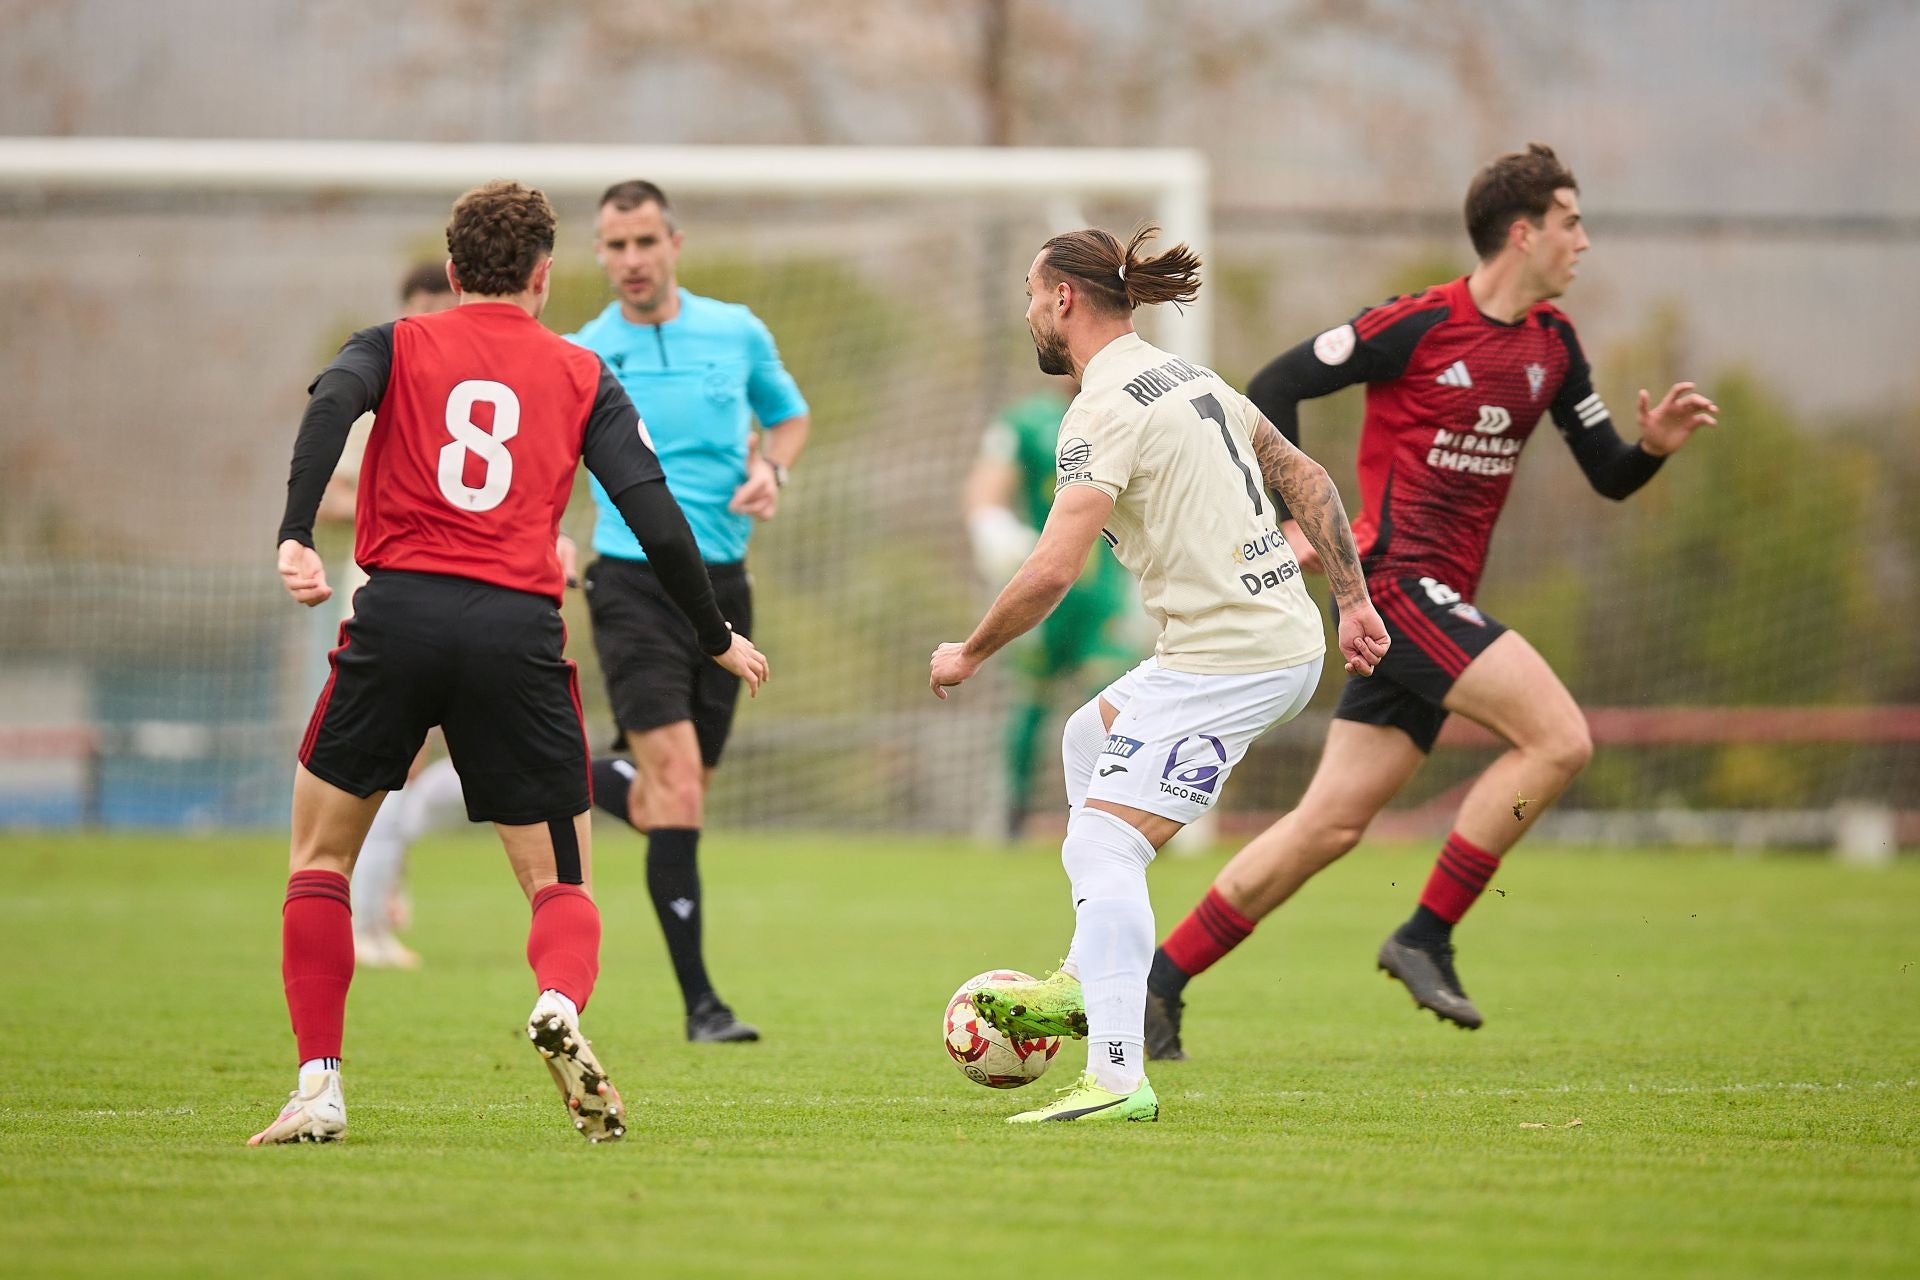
[[1172, 445]]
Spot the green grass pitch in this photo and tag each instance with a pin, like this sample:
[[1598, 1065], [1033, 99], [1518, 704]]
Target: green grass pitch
[[1738, 1040]]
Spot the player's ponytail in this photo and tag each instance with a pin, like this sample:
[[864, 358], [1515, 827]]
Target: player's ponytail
[[1120, 278]]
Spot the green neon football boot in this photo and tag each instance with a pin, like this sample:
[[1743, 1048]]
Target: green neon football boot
[[1031, 1010], [1086, 1100]]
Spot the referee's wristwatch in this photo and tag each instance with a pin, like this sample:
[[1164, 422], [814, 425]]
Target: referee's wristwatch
[[779, 472]]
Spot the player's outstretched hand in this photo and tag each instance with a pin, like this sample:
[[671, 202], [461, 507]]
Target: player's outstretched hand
[[1671, 423], [301, 572], [746, 662], [1302, 549], [950, 666], [1363, 639]]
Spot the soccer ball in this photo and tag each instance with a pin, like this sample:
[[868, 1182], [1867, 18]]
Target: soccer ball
[[985, 1056]]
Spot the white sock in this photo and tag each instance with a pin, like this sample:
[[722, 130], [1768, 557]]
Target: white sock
[[377, 870], [1081, 742], [573, 1011], [313, 1067], [1106, 860]]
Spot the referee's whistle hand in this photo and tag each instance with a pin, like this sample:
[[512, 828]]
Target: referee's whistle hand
[[302, 573], [746, 662]]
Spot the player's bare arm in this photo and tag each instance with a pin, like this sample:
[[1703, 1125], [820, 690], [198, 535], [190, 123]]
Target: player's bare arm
[[1315, 504], [1036, 590], [775, 451], [1665, 427]]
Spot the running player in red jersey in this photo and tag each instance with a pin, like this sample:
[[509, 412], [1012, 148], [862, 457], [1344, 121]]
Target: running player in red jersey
[[1457, 378], [482, 419]]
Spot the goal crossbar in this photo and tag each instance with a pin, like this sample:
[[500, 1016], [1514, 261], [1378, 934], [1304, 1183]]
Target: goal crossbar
[[1174, 179]]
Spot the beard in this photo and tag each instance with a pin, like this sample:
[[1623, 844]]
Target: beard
[[1052, 354]]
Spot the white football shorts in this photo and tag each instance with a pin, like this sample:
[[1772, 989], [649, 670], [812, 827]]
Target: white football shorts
[[1179, 733]]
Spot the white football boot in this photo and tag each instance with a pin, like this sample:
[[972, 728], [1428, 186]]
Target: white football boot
[[315, 1112], [591, 1098]]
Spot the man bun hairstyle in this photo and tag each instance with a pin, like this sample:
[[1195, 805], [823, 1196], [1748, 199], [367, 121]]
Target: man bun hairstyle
[[497, 235], [1518, 184], [1119, 278]]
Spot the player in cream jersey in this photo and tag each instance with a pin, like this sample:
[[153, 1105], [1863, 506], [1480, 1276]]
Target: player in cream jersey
[[1170, 466], [1172, 446]]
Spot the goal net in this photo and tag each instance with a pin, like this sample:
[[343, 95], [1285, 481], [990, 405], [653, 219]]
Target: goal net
[[178, 296]]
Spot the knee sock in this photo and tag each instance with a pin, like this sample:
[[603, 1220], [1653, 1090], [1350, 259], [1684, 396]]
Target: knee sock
[[1080, 744], [316, 960], [612, 784], [1458, 879], [1211, 929], [376, 871], [673, 881], [563, 942], [1106, 860]]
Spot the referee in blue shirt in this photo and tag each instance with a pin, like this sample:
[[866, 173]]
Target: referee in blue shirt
[[701, 372]]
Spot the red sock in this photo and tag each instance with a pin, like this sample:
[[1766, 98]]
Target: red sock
[[563, 943], [316, 959], [1210, 930], [1458, 878]]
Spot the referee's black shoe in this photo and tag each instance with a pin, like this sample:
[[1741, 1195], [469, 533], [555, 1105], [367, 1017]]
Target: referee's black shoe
[[712, 1022], [1163, 1027], [1426, 969]]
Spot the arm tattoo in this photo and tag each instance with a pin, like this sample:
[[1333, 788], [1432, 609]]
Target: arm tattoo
[[1315, 503]]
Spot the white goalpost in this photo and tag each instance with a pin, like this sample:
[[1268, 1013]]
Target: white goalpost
[[1174, 180]]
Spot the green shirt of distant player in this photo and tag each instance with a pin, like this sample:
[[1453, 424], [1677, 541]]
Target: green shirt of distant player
[[1090, 623]]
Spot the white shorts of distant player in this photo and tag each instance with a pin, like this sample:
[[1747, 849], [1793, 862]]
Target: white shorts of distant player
[[1180, 733]]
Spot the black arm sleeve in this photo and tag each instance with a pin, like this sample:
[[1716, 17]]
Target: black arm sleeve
[[1335, 359], [338, 399], [1613, 467], [661, 527], [353, 383], [616, 446]]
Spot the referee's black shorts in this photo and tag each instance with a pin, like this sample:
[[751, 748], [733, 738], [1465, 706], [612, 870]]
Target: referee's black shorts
[[1434, 635], [486, 664], [656, 674]]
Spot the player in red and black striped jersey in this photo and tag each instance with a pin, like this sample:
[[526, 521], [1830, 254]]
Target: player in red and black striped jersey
[[482, 418], [1457, 378]]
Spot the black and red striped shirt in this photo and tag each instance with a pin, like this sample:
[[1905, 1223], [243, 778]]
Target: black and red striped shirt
[[1452, 397]]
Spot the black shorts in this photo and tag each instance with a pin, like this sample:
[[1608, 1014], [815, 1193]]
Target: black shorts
[[483, 662], [1435, 634], [656, 674]]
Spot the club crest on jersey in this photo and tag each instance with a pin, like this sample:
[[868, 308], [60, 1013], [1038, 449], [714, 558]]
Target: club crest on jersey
[[1536, 379], [1335, 345]]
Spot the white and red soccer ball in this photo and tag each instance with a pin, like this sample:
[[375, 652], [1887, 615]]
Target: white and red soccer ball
[[985, 1056]]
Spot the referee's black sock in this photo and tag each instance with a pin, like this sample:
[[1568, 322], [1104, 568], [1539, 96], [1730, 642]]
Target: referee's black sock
[[673, 878], [612, 784]]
